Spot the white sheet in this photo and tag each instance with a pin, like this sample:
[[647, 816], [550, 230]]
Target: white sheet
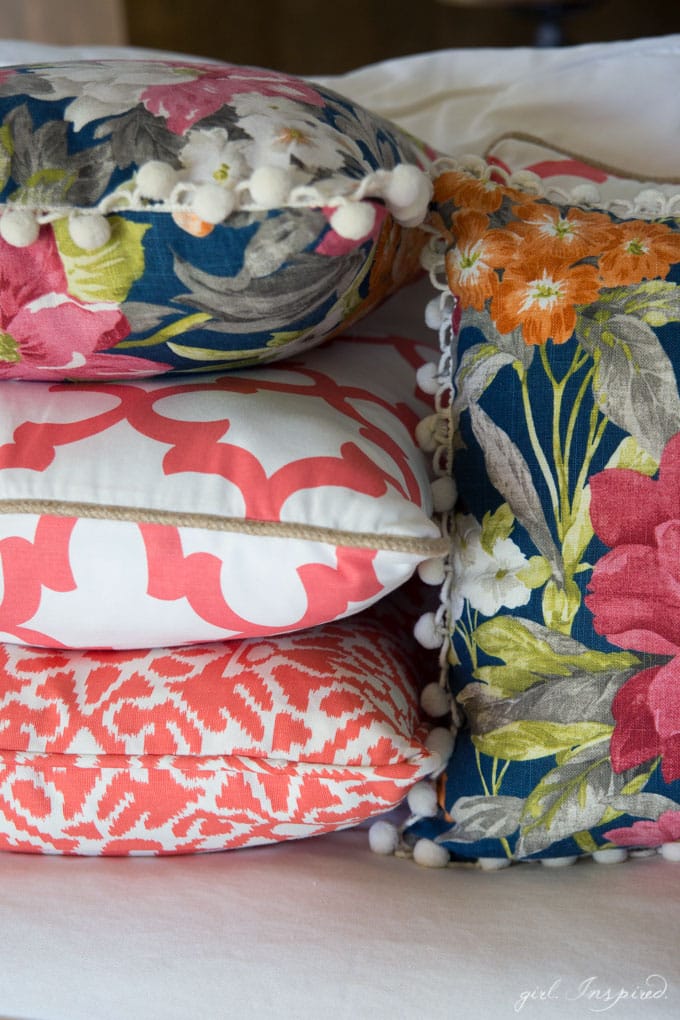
[[324, 928]]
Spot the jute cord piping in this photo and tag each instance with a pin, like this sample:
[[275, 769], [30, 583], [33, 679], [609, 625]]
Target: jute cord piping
[[428, 547]]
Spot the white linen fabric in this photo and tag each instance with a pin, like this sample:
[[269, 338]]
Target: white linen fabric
[[323, 927]]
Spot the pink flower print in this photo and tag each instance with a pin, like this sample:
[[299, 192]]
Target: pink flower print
[[634, 595], [666, 829], [44, 332], [187, 102], [635, 588], [647, 715]]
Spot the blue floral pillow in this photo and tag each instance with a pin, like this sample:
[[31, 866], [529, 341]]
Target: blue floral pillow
[[565, 612], [158, 216]]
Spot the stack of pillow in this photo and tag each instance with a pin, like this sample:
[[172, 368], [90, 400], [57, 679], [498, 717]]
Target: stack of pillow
[[208, 517]]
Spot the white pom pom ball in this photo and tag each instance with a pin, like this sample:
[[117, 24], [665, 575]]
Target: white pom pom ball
[[422, 800], [407, 193], [155, 180], [427, 378], [440, 741], [19, 227], [426, 631], [353, 220], [433, 314], [558, 862], [212, 203], [493, 863], [670, 851], [269, 186], [432, 571], [430, 855], [426, 433], [444, 494], [612, 855], [383, 837], [89, 232], [434, 701]]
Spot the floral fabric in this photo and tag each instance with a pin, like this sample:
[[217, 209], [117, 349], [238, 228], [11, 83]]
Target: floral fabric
[[171, 289], [565, 644]]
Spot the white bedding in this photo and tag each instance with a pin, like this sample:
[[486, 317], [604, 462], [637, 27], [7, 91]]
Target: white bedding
[[324, 927]]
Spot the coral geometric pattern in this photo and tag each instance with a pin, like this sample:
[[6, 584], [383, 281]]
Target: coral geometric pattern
[[209, 747], [154, 512]]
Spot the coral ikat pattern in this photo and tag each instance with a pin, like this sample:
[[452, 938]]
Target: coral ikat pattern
[[159, 216], [209, 747], [566, 552], [157, 512]]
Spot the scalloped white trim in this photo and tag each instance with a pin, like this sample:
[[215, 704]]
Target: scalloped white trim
[[648, 204]]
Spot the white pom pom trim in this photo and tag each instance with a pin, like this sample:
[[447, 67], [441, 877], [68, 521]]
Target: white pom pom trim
[[611, 855], [19, 227], [440, 741], [444, 494], [269, 186], [558, 862], [212, 203], [428, 854], [383, 837], [158, 185], [422, 800], [89, 232], [156, 180], [493, 863], [426, 433], [426, 631], [670, 851], [353, 220], [432, 572], [434, 701], [427, 378]]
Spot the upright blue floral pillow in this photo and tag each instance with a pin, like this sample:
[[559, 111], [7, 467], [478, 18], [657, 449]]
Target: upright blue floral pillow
[[158, 216], [565, 612]]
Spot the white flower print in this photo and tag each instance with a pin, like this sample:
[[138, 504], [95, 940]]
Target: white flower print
[[488, 582], [281, 129], [209, 156]]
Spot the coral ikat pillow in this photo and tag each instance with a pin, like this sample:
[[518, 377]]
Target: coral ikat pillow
[[210, 747], [566, 545], [157, 512], [171, 215]]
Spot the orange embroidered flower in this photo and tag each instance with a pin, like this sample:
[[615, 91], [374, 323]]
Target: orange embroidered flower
[[541, 297], [639, 251], [570, 236], [472, 262], [482, 194]]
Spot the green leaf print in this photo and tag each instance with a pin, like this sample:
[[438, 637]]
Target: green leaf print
[[6, 150], [108, 273], [532, 653], [496, 526], [529, 739], [581, 696], [634, 384]]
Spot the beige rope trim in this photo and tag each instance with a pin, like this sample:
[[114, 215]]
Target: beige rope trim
[[426, 547]]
